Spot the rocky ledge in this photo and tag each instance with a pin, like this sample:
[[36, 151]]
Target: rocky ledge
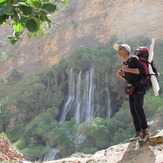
[[8, 152], [124, 153]]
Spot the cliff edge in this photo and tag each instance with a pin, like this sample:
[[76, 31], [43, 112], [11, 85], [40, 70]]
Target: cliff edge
[[124, 153], [151, 152]]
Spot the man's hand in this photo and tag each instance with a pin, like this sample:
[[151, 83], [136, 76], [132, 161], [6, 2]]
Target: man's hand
[[124, 68], [120, 74], [131, 70]]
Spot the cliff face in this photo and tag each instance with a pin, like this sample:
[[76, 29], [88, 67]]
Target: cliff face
[[8, 152], [86, 23]]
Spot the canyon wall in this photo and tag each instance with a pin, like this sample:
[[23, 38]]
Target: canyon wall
[[88, 23]]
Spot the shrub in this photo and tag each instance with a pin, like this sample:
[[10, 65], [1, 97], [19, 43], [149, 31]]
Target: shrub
[[14, 76], [35, 152]]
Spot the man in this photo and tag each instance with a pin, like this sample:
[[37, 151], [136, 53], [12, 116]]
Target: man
[[131, 71]]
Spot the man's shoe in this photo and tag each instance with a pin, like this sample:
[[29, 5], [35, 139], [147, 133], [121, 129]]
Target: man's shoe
[[136, 137], [145, 135]]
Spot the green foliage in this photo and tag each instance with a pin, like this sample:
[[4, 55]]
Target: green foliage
[[152, 105], [5, 116], [66, 133], [35, 152], [31, 15], [87, 146], [50, 8], [159, 112], [100, 133], [20, 144], [14, 76], [33, 25], [4, 134], [42, 124], [138, 42], [107, 132], [43, 129], [84, 58], [121, 125], [124, 115], [84, 129]]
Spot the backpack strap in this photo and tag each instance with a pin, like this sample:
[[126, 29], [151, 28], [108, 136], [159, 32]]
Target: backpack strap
[[135, 56]]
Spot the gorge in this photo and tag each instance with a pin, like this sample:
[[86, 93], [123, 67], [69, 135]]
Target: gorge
[[61, 90]]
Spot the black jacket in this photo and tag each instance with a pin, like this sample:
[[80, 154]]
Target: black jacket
[[131, 78]]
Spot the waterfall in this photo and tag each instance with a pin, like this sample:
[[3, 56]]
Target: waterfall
[[78, 99], [51, 154], [88, 95], [70, 98], [108, 103], [83, 101]]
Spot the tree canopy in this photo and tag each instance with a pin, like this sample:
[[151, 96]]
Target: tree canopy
[[33, 15]]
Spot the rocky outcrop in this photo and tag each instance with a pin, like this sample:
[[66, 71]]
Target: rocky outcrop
[[125, 153], [8, 152]]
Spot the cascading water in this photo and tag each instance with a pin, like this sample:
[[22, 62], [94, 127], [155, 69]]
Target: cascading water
[[88, 96], [71, 95], [83, 98], [84, 102], [78, 99], [51, 154], [108, 103]]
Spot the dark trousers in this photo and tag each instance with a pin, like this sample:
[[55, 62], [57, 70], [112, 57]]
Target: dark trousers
[[136, 101]]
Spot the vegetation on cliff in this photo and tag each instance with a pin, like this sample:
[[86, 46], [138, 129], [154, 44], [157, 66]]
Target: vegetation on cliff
[[33, 105]]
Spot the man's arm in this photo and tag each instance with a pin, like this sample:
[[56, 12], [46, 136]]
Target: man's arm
[[138, 68], [131, 70], [120, 75]]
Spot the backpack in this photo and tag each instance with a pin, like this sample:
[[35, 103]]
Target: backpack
[[142, 54]]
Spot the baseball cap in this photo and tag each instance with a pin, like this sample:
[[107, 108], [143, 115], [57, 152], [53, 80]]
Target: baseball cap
[[126, 46]]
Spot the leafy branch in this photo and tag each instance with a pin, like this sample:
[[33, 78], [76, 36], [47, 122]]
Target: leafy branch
[[33, 15]]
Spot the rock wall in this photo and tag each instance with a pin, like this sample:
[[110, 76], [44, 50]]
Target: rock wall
[[8, 152], [87, 23]]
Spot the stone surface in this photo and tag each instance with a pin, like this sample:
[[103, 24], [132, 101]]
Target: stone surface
[[8, 152], [125, 153]]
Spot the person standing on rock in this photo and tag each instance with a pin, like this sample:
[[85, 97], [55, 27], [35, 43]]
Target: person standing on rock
[[131, 71]]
